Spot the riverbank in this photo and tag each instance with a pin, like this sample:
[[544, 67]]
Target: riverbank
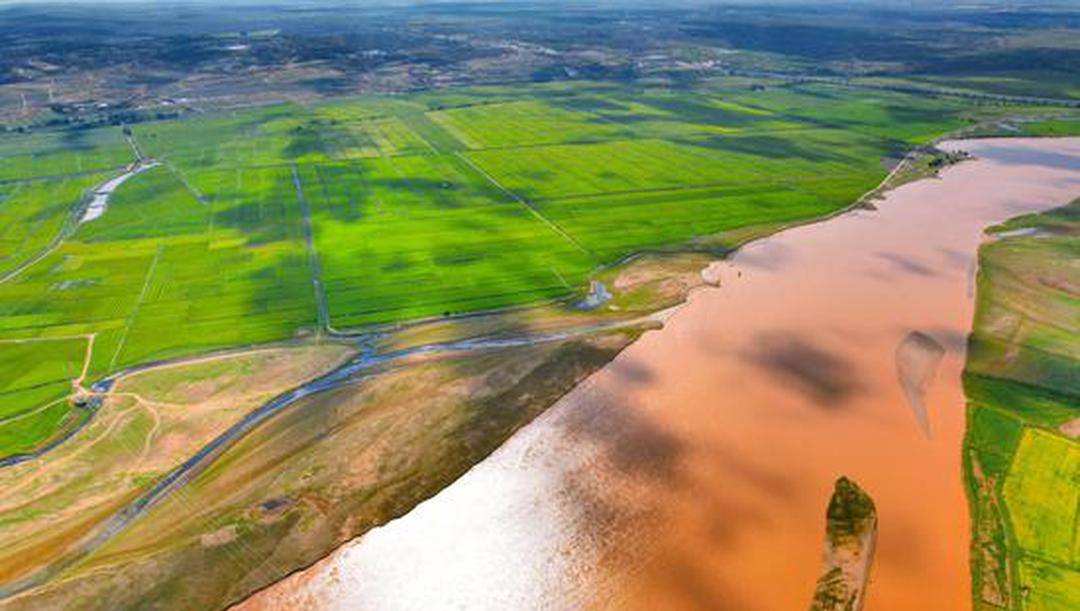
[[1021, 449], [682, 470]]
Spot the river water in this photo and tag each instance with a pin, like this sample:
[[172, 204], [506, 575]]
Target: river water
[[693, 471]]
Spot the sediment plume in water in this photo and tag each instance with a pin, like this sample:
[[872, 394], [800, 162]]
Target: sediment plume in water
[[850, 536], [917, 360]]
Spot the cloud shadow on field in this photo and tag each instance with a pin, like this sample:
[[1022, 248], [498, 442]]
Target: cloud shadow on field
[[771, 147], [824, 377]]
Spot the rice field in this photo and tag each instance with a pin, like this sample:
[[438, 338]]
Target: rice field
[[163, 273], [33, 213], [1066, 126], [59, 153], [521, 123], [1042, 495], [1051, 588], [412, 237], [33, 404], [425, 205]]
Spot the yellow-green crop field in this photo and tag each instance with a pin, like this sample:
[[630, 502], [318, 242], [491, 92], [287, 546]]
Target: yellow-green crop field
[[1022, 456]]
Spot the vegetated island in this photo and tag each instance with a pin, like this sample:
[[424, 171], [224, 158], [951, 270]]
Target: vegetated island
[[851, 527]]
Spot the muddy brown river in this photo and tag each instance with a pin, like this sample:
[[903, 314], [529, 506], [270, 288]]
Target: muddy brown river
[[693, 472]]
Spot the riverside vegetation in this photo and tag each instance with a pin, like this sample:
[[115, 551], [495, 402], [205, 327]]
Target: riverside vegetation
[[1022, 452]]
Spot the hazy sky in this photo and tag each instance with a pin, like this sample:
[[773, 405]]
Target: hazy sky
[[640, 3]]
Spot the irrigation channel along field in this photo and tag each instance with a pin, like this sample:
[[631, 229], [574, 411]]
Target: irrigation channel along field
[[249, 252]]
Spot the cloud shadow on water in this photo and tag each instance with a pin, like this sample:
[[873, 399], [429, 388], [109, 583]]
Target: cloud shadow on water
[[906, 264], [955, 259], [1010, 155], [630, 442], [824, 377], [631, 371], [769, 255]]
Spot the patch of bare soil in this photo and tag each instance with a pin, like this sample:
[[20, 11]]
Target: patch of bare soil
[[134, 439], [1070, 428]]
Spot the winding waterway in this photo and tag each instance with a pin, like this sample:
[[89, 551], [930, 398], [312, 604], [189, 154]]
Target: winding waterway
[[100, 200], [693, 471]]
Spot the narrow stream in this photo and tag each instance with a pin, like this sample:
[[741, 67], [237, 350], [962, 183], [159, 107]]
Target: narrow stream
[[100, 200], [694, 470]]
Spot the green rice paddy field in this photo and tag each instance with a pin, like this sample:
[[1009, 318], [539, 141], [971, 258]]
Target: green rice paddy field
[[419, 206]]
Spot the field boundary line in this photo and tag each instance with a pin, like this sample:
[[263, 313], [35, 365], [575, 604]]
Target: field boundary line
[[528, 206], [422, 137], [30, 340], [416, 122], [78, 382], [782, 182], [6, 420], [682, 140], [61, 176], [16, 188], [138, 305], [451, 129], [179, 176], [134, 144], [322, 313], [555, 271], [63, 233]]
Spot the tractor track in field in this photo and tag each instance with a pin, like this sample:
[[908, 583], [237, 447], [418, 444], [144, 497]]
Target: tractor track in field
[[528, 205], [322, 311]]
